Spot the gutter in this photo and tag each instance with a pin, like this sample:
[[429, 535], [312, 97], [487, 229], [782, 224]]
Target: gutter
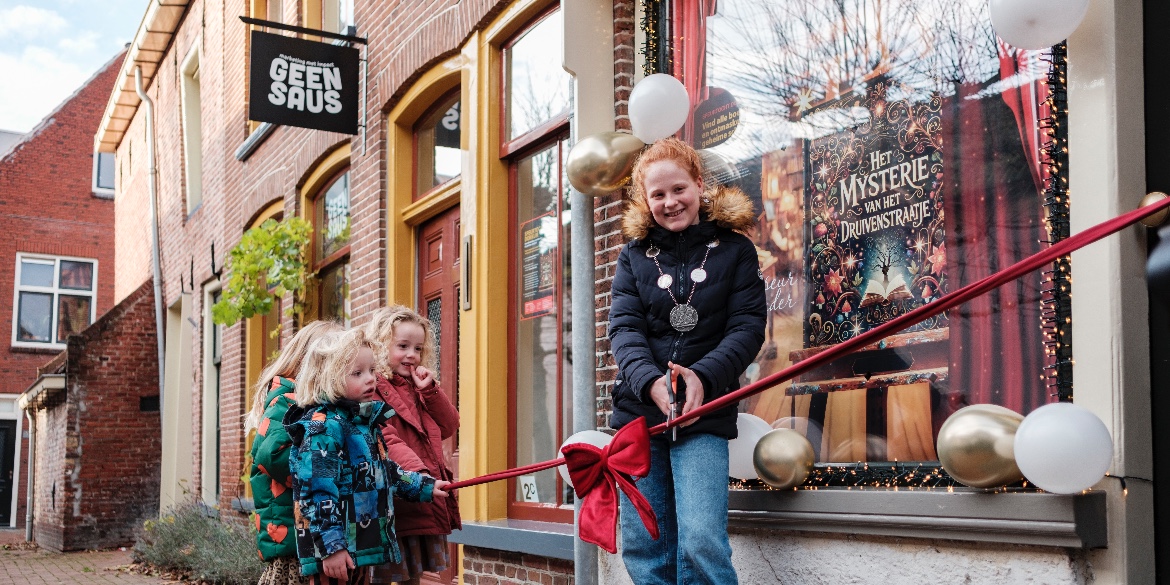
[[154, 247]]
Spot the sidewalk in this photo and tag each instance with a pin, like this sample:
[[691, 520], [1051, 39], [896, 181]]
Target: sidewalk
[[36, 567]]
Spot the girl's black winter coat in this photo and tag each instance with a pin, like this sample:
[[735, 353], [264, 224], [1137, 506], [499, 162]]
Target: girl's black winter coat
[[730, 303]]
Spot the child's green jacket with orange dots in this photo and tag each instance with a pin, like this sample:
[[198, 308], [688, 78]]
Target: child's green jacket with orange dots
[[270, 478]]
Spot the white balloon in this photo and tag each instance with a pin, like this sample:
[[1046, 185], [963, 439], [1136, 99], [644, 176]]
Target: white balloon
[[741, 449], [659, 106], [596, 438], [1036, 24], [1063, 448]]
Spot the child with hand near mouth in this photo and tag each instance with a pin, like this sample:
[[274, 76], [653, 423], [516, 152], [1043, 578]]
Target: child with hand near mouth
[[414, 438]]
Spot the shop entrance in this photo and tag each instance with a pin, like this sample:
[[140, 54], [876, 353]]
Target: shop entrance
[[8, 479], [438, 301]]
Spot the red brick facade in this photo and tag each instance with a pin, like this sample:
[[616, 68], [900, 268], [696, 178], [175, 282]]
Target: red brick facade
[[97, 450], [484, 566], [48, 206]]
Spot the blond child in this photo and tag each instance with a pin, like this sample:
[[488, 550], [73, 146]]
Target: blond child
[[414, 438], [343, 482], [270, 478]]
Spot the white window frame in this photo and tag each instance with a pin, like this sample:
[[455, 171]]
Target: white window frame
[[54, 290], [192, 117], [105, 192]]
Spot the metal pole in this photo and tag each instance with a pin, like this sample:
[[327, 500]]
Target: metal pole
[[31, 490], [154, 245]]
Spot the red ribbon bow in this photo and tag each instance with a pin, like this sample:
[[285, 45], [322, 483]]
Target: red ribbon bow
[[595, 471]]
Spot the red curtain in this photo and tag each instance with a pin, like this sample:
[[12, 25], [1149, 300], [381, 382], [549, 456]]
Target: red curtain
[[994, 218]]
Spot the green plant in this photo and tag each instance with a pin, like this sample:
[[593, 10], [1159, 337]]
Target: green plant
[[190, 540], [269, 261]]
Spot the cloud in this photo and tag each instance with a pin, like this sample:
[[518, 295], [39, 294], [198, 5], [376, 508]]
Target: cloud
[[30, 22], [83, 43], [44, 78]]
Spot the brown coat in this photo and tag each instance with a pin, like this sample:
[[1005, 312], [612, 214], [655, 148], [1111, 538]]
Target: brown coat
[[414, 440]]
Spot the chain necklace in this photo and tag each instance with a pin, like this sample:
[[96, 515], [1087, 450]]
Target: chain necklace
[[683, 317]]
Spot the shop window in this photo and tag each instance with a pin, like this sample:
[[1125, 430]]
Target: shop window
[[895, 152], [331, 235], [536, 99], [537, 87], [55, 298], [192, 131], [437, 158]]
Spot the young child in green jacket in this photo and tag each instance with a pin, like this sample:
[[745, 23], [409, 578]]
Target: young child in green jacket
[[343, 483], [270, 478]]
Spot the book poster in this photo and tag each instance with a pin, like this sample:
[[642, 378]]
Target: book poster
[[538, 241], [874, 237]]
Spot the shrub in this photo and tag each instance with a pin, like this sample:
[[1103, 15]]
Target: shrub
[[189, 539]]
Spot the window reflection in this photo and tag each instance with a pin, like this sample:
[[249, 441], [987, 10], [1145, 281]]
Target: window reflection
[[332, 218], [543, 368], [538, 88], [437, 155], [893, 150]]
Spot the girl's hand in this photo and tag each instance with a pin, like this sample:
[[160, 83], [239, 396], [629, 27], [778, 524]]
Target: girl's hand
[[422, 377], [338, 565], [438, 491], [694, 398], [660, 394]]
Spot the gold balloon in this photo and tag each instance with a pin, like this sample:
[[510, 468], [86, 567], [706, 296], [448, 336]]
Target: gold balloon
[[783, 458], [1158, 218], [976, 445], [601, 163]]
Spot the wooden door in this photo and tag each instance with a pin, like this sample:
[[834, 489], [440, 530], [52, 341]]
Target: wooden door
[[438, 277]]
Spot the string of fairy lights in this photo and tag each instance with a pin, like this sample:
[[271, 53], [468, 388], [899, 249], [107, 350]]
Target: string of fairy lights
[[1056, 305], [655, 49], [1056, 302]]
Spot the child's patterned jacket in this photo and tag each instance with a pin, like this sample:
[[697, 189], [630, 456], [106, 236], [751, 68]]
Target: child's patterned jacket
[[343, 484]]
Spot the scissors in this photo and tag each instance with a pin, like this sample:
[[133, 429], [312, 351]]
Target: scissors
[[672, 389]]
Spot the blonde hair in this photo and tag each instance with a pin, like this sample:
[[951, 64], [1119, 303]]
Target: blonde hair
[[321, 378], [285, 365], [381, 330]]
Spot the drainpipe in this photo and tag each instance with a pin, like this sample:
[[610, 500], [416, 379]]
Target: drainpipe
[[154, 250], [30, 493]]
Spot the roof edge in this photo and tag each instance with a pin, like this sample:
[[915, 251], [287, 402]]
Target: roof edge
[[157, 29]]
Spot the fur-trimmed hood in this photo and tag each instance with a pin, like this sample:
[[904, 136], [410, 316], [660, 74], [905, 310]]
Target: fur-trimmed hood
[[728, 207]]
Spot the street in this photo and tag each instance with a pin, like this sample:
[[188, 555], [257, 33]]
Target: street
[[36, 567]]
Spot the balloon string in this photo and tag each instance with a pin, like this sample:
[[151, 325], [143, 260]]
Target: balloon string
[[964, 294]]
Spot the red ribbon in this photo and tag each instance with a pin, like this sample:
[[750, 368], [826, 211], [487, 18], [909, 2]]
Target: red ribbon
[[595, 472]]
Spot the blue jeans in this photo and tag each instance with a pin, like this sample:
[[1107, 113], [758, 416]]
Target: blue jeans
[[687, 487]]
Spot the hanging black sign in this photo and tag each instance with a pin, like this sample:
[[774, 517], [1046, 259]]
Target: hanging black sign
[[302, 83]]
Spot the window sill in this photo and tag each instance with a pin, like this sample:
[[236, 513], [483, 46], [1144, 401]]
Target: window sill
[[254, 140], [546, 539], [1077, 521], [42, 349], [106, 194]]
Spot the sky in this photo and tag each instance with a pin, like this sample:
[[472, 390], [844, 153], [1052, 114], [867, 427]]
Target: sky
[[48, 48]]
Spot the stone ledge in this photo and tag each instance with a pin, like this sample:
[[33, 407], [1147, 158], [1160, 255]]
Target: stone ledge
[[546, 539], [1077, 521]]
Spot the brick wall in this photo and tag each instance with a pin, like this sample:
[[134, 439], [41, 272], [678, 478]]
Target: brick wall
[[47, 206], [97, 453], [485, 566], [404, 39]]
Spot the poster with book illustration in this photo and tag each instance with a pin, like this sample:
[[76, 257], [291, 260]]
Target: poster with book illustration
[[874, 231]]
